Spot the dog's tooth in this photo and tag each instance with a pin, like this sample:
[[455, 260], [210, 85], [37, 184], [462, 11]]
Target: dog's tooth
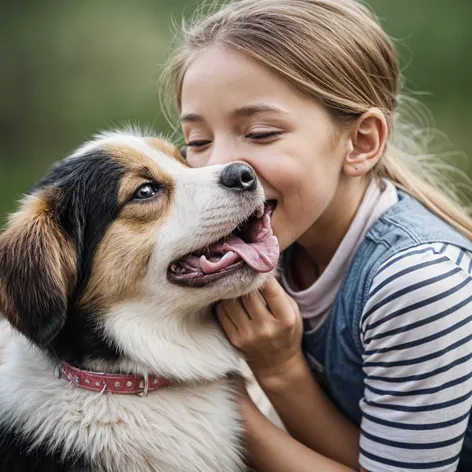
[[173, 267], [260, 212], [228, 255]]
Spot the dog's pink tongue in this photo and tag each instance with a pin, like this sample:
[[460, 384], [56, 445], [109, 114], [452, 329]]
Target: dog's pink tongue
[[261, 256]]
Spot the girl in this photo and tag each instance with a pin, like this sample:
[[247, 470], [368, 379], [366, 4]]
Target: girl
[[377, 260]]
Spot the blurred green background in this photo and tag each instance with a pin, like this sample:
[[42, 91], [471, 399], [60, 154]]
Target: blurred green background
[[70, 68]]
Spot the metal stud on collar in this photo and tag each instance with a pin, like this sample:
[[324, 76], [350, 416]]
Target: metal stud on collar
[[146, 385]]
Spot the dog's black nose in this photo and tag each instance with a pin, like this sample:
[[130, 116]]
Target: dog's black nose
[[239, 176]]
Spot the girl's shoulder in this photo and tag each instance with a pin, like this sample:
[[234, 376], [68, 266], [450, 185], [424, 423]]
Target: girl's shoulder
[[407, 235], [409, 223], [430, 277], [408, 258]]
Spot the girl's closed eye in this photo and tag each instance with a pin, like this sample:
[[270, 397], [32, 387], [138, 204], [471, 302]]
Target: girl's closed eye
[[258, 136], [198, 143], [264, 136]]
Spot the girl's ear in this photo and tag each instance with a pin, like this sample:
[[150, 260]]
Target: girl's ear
[[368, 139], [37, 269]]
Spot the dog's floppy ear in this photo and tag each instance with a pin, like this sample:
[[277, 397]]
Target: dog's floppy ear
[[37, 269]]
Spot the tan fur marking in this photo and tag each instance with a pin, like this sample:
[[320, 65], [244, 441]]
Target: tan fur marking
[[119, 267], [167, 148], [139, 213], [140, 169], [34, 222], [34, 235], [31, 208]]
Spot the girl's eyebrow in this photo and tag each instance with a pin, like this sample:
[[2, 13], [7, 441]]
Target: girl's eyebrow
[[191, 118], [254, 109], [239, 112]]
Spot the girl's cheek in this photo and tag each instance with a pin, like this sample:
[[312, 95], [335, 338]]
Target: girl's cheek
[[195, 160]]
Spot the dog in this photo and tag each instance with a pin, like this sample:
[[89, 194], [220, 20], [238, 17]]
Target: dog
[[111, 357]]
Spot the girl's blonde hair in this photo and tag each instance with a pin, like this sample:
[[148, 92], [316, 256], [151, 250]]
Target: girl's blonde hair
[[334, 52]]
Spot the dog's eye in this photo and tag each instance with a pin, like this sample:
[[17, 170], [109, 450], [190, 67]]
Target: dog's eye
[[146, 191]]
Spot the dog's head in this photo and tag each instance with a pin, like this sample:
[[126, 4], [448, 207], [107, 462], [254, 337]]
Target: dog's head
[[124, 220]]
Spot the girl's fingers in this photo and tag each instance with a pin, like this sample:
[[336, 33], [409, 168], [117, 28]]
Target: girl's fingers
[[277, 301], [229, 327], [238, 315], [256, 307]]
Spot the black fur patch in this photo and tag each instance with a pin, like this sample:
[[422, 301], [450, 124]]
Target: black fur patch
[[89, 185], [16, 456]]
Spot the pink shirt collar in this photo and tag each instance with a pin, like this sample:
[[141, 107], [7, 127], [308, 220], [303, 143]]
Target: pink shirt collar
[[315, 302]]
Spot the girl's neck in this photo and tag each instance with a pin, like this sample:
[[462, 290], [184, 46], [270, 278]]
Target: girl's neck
[[318, 245]]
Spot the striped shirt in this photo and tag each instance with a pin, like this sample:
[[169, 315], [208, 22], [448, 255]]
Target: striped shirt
[[416, 334], [416, 331]]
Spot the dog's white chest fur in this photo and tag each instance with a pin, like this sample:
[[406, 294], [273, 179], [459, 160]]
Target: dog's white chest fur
[[120, 433]]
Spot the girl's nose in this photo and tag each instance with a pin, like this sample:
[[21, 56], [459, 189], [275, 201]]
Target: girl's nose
[[223, 151]]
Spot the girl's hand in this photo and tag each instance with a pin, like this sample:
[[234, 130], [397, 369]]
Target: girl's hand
[[266, 327]]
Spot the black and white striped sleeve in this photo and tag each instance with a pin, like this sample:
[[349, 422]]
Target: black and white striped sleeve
[[416, 331]]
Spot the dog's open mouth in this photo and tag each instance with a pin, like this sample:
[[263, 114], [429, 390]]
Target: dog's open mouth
[[252, 243]]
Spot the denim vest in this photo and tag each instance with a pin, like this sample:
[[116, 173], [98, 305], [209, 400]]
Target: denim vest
[[334, 351]]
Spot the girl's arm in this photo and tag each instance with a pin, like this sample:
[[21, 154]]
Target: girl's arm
[[308, 414], [267, 329], [272, 450]]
